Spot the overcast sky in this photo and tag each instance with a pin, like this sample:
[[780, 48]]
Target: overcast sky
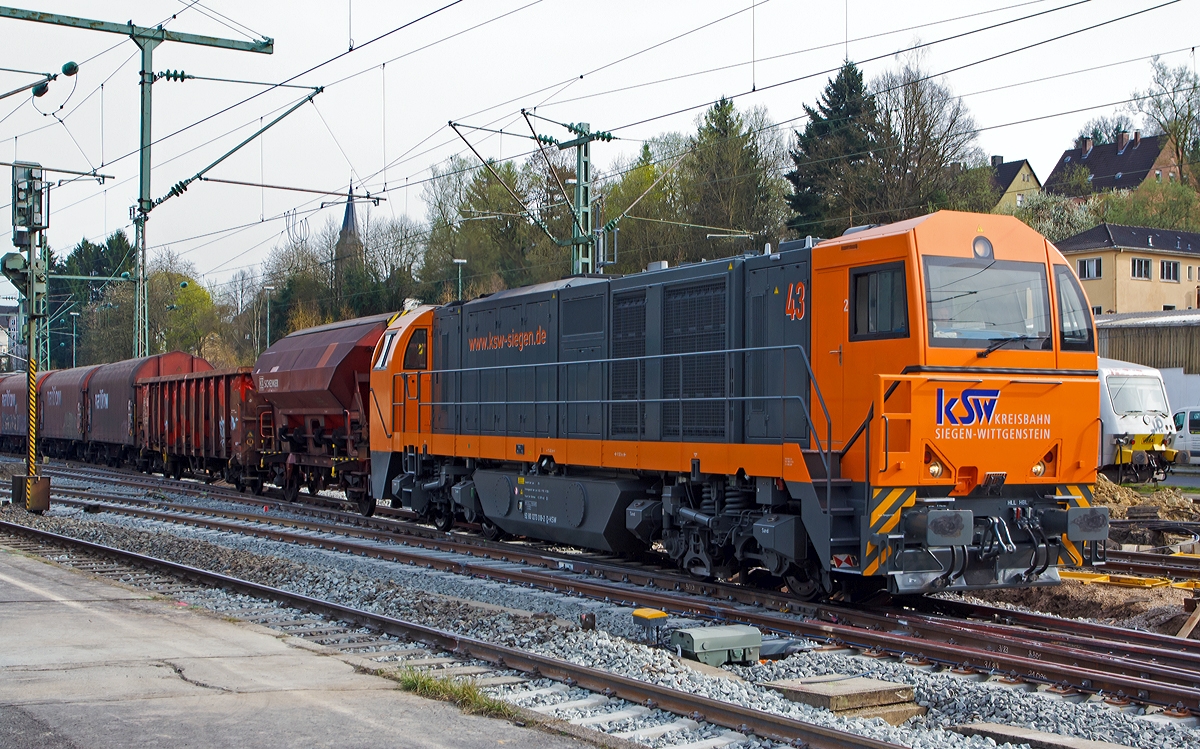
[[612, 64]]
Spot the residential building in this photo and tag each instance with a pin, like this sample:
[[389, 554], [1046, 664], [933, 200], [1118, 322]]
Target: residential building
[[1015, 180], [1125, 164], [1134, 268]]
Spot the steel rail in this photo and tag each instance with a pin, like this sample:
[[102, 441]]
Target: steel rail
[[767, 725], [1132, 644], [1158, 565], [949, 643]]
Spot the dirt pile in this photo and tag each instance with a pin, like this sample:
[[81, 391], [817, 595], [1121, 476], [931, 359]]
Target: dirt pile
[[1172, 504]]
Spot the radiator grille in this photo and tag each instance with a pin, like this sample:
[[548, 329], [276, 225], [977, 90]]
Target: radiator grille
[[628, 378], [694, 320]]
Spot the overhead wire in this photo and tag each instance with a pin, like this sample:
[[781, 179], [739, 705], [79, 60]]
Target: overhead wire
[[915, 47], [569, 80]]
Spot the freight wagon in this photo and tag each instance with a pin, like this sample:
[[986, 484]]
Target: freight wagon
[[201, 423], [313, 423]]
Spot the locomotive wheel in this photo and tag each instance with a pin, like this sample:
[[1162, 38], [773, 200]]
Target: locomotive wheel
[[366, 505], [443, 519], [803, 588], [490, 531]]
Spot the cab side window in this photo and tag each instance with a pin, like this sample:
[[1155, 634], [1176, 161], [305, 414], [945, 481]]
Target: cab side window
[[385, 351], [416, 356], [1074, 315], [878, 302], [1179, 417], [1194, 422]]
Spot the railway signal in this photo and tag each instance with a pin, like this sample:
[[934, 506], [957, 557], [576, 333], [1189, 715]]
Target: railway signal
[[30, 219], [146, 38]]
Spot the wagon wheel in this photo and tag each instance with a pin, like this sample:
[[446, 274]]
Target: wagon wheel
[[177, 470], [240, 486], [256, 486], [291, 489], [313, 486]]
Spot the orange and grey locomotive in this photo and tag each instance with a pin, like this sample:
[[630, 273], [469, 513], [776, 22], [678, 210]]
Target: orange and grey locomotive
[[910, 407]]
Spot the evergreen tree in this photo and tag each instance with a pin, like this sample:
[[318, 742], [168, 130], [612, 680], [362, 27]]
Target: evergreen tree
[[729, 184], [830, 158]]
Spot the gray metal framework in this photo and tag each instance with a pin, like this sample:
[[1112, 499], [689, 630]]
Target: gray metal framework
[[146, 38]]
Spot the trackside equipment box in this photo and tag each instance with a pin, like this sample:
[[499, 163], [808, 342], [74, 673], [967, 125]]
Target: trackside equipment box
[[716, 646]]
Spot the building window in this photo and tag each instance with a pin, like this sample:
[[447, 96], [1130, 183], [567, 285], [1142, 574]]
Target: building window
[[1025, 177], [1189, 273], [879, 302], [1168, 307], [1096, 310], [1020, 199], [1089, 268], [1169, 270], [1140, 268], [1158, 175]]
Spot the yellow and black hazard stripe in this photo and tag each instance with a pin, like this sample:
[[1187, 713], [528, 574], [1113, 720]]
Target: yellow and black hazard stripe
[[886, 504], [1078, 495]]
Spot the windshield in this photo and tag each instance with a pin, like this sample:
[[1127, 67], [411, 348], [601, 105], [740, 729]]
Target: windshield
[[1136, 394], [972, 302]]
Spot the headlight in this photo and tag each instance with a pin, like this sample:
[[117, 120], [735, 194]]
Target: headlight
[[1038, 469], [935, 470]]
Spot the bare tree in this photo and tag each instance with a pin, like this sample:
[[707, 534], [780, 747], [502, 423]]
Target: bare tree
[[1172, 105], [922, 129]]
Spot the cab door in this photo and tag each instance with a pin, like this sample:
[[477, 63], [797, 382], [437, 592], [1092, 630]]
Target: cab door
[[830, 303], [416, 385]]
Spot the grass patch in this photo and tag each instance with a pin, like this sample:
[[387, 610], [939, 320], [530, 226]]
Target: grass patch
[[465, 693], [1144, 489]]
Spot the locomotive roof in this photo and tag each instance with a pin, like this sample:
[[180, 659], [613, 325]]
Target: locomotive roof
[[562, 283]]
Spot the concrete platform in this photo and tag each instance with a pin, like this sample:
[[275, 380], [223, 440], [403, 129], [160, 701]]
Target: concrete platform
[[86, 663]]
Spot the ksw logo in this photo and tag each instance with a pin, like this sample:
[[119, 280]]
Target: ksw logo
[[978, 404]]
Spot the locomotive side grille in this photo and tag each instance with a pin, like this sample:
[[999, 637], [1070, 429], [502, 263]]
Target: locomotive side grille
[[694, 320], [628, 378]]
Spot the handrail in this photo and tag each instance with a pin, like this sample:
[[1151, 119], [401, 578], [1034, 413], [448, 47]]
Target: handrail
[[824, 448]]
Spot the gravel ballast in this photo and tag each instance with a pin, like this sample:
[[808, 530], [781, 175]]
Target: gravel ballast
[[450, 601]]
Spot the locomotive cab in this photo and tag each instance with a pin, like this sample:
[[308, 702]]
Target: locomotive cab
[[965, 370]]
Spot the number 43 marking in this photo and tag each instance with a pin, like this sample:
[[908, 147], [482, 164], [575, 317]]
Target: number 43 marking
[[794, 308]]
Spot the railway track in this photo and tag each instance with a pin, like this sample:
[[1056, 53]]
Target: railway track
[[358, 629], [1075, 655], [1157, 565]]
